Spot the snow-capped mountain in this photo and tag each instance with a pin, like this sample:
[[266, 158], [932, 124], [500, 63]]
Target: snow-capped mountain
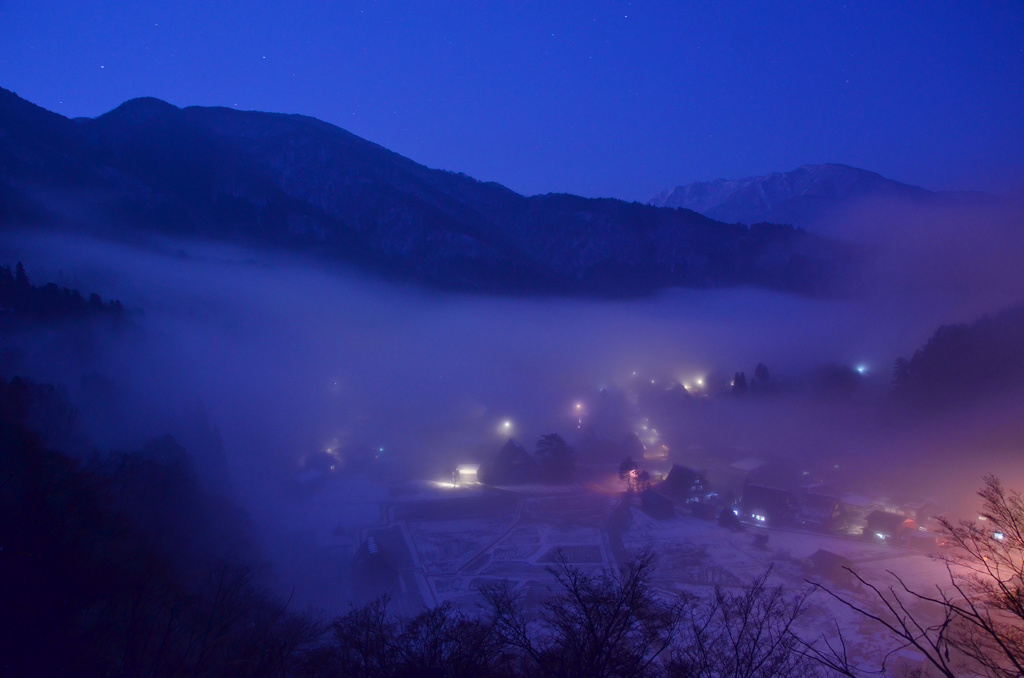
[[803, 197]]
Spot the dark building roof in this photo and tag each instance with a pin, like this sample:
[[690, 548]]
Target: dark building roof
[[656, 505], [766, 497], [683, 481], [828, 564], [767, 504], [822, 509]]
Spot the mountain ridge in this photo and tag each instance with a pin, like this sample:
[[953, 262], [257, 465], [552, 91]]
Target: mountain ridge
[[285, 180], [807, 196]]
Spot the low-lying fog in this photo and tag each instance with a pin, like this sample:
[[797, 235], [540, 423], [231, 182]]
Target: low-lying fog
[[287, 356]]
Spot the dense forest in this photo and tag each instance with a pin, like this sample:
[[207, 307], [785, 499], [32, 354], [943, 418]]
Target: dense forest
[[964, 363]]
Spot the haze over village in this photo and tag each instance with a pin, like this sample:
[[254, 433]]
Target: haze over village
[[466, 360]]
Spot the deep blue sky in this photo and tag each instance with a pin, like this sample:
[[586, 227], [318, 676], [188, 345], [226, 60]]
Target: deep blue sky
[[600, 98]]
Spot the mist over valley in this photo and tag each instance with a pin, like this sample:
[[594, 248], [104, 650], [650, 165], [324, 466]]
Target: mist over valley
[[403, 380]]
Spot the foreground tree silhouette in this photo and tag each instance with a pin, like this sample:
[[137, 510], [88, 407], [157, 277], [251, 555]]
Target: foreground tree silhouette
[[746, 634], [592, 624], [596, 625], [440, 642], [85, 587], [974, 624]]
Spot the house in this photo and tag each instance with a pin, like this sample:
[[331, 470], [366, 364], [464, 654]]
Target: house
[[824, 564], [685, 485], [656, 505], [888, 527], [466, 474], [922, 511], [818, 511], [765, 505]]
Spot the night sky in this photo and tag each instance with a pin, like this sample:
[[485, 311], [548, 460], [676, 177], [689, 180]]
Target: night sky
[[598, 98]]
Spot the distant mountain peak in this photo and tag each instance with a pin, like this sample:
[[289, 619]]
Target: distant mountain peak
[[141, 108], [802, 196]]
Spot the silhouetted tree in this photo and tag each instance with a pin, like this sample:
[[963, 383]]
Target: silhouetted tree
[[636, 480], [739, 383], [47, 302], [594, 625], [973, 626], [21, 277], [373, 643], [627, 470], [512, 464], [745, 633], [900, 372]]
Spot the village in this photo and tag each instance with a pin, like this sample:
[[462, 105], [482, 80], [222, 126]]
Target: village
[[713, 516], [440, 542], [446, 546]]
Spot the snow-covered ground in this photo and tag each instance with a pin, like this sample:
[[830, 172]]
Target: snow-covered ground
[[694, 554], [444, 543]]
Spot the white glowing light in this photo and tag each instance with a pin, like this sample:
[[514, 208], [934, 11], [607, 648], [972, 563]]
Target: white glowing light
[[862, 369], [700, 382], [998, 535]]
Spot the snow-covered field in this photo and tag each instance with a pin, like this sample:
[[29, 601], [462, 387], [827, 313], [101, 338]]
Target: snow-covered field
[[443, 544]]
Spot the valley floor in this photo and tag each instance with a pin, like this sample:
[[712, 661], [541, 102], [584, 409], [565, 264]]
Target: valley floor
[[434, 543]]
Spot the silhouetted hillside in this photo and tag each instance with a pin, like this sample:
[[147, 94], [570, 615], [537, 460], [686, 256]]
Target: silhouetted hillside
[[124, 565], [965, 363], [291, 181]]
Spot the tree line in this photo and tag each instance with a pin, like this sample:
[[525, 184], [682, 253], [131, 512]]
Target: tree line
[[553, 461], [21, 300]]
